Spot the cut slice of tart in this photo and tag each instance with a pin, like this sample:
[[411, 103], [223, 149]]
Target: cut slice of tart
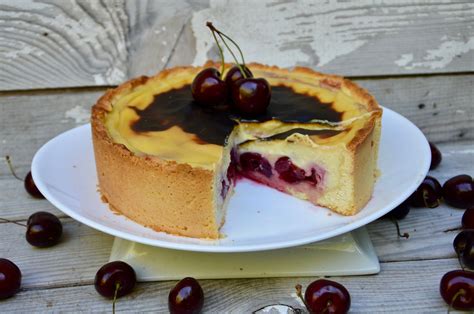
[[170, 164]]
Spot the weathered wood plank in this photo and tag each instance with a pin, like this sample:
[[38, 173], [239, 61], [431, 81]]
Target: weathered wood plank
[[400, 288], [74, 261], [442, 107], [155, 27], [84, 43], [426, 227], [28, 121], [62, 43], [356, 38]]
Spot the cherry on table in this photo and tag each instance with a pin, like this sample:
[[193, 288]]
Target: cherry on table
[[234, 74], [457, 289], [459, 191], [28, 182], [436, 156], [31, 187], [43, 229], [464, 247], [428, 194], [208, 89], [326, 296], [10, 278], [115, 279], [467, 220], [399, 212], [187, 297], [461, 239], [251, 96]]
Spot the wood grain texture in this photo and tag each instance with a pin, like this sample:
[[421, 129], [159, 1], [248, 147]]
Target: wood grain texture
[[442, 107], [155, 27], [346, 37], [48, 44], [62, 43], [74, 261], [28, 121], [404, 287]]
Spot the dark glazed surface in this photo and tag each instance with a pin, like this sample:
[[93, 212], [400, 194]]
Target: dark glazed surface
[[212, 125]]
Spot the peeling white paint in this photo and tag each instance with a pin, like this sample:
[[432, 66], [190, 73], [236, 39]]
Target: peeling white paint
[[115, 76], [290, 33], [99, 79], [404, 59], [79, 114], [441, 56]]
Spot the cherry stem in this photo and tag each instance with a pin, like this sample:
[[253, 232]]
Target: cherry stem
[[452, 229], [299, 293], [7, 158], [459, 293], [221, 52], [13, 222], [460, 261], [222, 35], [404, 235], [117, 287]]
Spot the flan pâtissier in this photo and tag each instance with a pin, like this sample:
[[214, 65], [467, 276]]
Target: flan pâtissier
[[170, 164]]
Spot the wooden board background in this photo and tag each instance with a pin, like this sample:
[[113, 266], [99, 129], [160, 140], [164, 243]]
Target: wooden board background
[[58, 57], [46, 44]]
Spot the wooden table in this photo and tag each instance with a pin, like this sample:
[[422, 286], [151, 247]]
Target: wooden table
[[58, 57]]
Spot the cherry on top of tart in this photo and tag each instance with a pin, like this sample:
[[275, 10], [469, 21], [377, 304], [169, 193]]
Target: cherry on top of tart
[[248, 95]]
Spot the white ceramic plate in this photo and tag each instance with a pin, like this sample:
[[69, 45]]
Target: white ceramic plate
[[258, 218]]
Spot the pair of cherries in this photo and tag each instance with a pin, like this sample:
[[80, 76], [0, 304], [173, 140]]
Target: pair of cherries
[[117, 279], [247, 95]]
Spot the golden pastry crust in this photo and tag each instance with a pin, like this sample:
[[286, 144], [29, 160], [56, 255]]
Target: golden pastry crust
[[149, 189]]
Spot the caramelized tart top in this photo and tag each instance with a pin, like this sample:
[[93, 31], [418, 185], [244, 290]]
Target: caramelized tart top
[[157, 116]]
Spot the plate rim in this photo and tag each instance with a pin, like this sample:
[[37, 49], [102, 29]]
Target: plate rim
[[213, 245]]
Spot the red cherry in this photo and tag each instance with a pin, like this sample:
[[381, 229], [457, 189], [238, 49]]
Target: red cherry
[[115, 278], [326, 296], [255, 162], [399, 212], [436, 156], [208, 89], [428, 194], [457, 289], [251, 96], [468, 219], [31, 187], [234, 74], [43, 229], [186, 297], [459, 191], [10, 278], [288, 171]]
